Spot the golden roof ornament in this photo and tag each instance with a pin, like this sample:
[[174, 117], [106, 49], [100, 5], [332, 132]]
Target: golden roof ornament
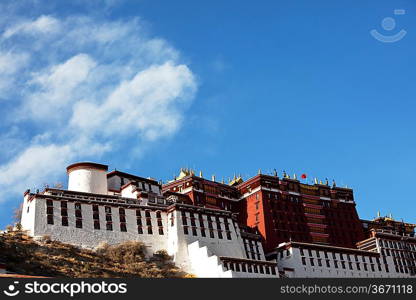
[[200, 174], [315, 180], [294, 176], [259, 172]]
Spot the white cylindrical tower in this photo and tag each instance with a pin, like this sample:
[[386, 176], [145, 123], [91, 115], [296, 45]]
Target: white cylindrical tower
[[87, 177]]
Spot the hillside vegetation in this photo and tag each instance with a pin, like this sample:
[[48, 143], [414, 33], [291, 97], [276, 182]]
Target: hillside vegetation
[[23, 255]]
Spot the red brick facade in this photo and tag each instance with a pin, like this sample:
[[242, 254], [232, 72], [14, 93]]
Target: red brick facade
[[281, 209]]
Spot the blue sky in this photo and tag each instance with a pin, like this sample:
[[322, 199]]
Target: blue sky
[[223, 86]]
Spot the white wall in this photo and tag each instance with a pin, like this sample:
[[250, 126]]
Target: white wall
[[294, 261], [88, 236], [28, 215], [201, 258], [88, 180]]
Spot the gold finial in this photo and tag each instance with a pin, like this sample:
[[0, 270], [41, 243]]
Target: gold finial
[[326, 181], [275, 172], [223, 181], [200, 174], [315, 180], [294, 176], [320, 182], [334, 184], [378, 214], [213, 177], [284, 174], [259, 171]]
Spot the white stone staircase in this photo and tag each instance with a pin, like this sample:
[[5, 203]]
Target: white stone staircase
[[205, 264]]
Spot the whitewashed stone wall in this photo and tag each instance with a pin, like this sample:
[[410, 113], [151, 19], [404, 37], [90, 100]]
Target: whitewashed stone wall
[[292, 259]]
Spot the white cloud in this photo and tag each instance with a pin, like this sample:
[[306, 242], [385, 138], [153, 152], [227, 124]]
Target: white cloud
[[10, 64], [148, 104], [42, 25], [56, 86], [87, 87]]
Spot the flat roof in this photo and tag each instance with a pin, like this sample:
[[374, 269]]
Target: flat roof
[[328, 247], [88, 165]]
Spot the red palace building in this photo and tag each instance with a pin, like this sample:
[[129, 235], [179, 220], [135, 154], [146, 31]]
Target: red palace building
[[280, 209]]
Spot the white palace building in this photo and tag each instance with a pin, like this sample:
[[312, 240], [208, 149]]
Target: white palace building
[[116, 207], [113, 207]]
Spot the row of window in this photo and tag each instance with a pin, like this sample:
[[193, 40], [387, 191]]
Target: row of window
[[398, 245], [252, 249], [108, 218], [202, 227], [398, 253], [340, 256], [343, 264], [249, 268]]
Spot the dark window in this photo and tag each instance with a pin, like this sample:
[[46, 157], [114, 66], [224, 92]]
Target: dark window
[[95, 208], [50, 219], [64, 204], [78, 223], [123, 227], [77, 205], [78, 214], [97, 225], [147, 214], [149, 230], [161, 230], [49, 203], [64, 221], [108, 209], [108, 218], [139, 230], [122, 219], [109, 226], [185, 229], [64, 212], [303, 261], [49, 210]]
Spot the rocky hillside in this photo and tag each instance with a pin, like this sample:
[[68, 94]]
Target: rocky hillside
[[49, 258]]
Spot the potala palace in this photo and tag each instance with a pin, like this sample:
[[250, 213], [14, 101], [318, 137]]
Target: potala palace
[[265, 226]]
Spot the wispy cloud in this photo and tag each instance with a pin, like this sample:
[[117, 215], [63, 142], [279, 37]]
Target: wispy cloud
[[80, 87]]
